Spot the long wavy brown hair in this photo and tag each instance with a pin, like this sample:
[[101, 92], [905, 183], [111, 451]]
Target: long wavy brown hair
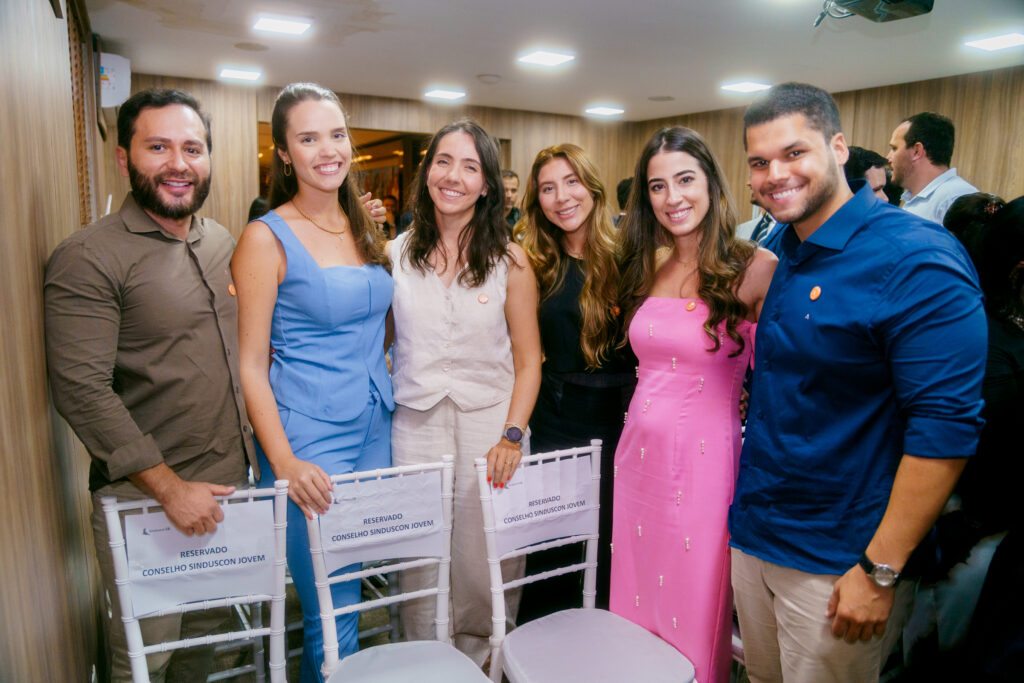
[[542, 241], [283, 188], [485, 238], [721, 258]]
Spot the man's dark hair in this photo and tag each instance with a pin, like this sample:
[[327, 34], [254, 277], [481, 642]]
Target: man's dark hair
[[622, 192], [156, 98], [509, 173], [935, 132], [860, 161], [784, 99]]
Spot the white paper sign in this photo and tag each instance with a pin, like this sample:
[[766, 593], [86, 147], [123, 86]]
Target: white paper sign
[[383, 519], [544, 502], [167, 568]]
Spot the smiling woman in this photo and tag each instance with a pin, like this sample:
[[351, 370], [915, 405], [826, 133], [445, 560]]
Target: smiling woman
[[466, 358], [312, 285]]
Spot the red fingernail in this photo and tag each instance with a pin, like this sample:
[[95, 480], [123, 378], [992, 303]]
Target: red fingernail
[[488, 479], [501, 485]]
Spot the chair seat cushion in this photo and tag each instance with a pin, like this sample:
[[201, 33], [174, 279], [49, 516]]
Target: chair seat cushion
[[423, 661], [590, 645]]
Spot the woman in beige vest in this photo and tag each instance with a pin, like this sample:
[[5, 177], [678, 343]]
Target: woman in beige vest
[[466, 360]]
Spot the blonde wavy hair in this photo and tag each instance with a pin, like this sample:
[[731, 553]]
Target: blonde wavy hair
[[542, 241]]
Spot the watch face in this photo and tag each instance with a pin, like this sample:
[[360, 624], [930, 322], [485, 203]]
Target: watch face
[[514, 433], [884, 576]]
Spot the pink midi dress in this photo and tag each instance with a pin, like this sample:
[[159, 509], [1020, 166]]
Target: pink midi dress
[[675, 472]]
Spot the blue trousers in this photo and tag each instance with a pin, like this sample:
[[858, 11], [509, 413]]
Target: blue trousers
[[338, 448]]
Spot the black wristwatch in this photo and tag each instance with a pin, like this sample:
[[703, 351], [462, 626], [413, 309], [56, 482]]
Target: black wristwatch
[[513, 433], [883, 575]]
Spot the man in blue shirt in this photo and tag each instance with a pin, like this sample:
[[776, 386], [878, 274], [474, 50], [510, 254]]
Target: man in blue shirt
[[865, 402]]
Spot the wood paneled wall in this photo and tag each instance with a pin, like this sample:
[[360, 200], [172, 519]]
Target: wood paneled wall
[[985, 107], [47, 586]]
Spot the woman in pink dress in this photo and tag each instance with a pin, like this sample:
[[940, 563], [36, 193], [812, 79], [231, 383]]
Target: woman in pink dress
[[692, 292]]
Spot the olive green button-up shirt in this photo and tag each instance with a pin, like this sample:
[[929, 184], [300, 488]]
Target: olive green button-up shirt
[[142, 348]]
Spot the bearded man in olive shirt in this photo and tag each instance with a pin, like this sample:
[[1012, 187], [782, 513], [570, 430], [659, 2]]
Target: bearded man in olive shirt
[[142, 348]]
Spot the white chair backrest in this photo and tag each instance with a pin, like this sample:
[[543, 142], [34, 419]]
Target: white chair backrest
[[538, 511], [241, 563], [398, 512]]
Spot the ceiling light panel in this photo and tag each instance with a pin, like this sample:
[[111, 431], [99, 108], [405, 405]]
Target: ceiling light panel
[[443, 94], [604, 110], [290, 27], [546, 58], [746, 86], [1002, 42], [249, 75]]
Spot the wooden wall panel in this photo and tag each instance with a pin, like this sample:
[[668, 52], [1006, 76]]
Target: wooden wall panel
[[47, 595], [985, 108], [985, 154]]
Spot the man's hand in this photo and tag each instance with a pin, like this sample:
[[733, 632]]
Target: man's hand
[[192, 508], [859, 609]]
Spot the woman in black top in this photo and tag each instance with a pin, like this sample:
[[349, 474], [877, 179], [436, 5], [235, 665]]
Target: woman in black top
[[587, 383]]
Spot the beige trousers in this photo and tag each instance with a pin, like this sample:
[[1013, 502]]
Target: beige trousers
[[419, 436], [786, 635]]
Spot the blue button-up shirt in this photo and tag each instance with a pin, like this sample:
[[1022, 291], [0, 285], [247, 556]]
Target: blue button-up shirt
[[871, 344]]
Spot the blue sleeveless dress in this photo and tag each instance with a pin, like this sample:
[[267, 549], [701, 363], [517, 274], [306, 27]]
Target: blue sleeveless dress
[[333, 392]]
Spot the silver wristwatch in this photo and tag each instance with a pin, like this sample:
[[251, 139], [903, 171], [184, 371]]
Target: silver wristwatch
[[883, 575]]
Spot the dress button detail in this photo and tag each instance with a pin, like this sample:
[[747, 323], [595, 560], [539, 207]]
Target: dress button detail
[[691, 305], [615, 471], [702, 446], [643, 452], [687, 542], [815, 292], [661, 580], [639, 530], [673, 363], [647, 404], [625, 417], [611, 548], [700, 384], [650, 330], [636, 602], [679, 497], [674, 623]]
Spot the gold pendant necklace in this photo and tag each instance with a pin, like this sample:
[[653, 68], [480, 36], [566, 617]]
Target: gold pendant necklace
[[340, 234]]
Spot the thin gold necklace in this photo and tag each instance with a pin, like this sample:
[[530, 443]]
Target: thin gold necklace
[[340, 234]]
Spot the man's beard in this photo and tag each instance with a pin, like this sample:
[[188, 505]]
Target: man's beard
[[145, 189]]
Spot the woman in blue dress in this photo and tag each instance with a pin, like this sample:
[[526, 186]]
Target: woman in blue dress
[[312, 286]]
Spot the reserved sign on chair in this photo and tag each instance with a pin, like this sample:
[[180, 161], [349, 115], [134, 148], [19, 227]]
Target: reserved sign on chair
[[167, 568], [379, 519], [542, 502]]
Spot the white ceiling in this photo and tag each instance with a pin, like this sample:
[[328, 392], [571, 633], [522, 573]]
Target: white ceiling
[[627, 50]]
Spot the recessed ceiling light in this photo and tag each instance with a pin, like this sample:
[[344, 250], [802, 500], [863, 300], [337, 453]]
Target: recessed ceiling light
[[442, 94], [661, 98], [240, 74], [746, 86], [546, 58], [291, 27], [998, 42], [604, 110]]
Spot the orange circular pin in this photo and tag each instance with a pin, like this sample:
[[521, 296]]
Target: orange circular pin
[[815, 292], [691, 305], [482, 298], [231, 290]]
